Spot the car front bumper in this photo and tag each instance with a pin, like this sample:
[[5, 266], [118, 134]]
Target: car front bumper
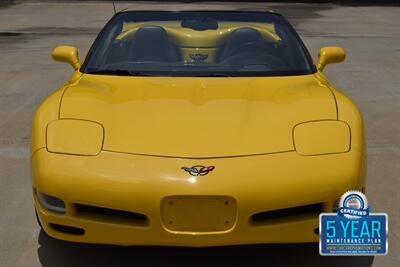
[[145, 185]]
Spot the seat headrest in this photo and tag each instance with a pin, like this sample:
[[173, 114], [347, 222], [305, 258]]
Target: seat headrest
[[245, 35], [238, 38], [152, 43]]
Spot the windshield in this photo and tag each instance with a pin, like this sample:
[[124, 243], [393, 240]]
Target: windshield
[[204, 43]]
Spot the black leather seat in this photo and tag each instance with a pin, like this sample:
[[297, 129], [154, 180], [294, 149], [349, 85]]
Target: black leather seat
[[240, 41], [151, 43]]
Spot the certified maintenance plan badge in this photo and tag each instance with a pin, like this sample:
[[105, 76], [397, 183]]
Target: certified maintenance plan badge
[[353, 230]]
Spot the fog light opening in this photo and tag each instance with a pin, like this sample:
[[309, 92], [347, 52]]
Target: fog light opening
[[51, 203]]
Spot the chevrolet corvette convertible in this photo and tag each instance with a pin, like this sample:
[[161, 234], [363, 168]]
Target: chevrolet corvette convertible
[[194, 128]]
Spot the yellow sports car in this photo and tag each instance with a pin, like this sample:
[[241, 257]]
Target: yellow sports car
[[194, 128]]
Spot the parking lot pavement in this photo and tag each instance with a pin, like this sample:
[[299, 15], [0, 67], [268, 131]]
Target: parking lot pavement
[[370, 76]]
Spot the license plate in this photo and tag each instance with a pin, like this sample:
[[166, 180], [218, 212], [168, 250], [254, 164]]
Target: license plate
[[198, 213]]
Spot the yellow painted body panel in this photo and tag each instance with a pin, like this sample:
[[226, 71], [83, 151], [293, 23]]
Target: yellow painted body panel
[[74, 137], [322, 137], [198, 117], [67, 54], [140, 183], [48, 111]]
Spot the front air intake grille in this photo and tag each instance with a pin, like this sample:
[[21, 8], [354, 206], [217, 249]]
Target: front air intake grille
[[67, 229], [289, 213], [113, 215]]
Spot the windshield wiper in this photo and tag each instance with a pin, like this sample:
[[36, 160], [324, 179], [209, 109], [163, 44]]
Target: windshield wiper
[[119, 72]]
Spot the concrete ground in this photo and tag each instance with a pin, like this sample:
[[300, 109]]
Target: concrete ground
[[370, 76]]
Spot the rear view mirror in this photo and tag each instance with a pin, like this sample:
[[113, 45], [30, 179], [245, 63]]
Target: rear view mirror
[[329, 55], [67, 54]]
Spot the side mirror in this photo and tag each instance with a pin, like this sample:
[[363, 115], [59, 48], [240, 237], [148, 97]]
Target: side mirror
[[329, 55], [67, 54]]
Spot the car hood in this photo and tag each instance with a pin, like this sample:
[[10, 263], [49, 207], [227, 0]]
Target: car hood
[[198, 117]]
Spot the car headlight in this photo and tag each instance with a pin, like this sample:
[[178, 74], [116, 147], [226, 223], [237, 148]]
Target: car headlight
[[321, 137], [76, 137]]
